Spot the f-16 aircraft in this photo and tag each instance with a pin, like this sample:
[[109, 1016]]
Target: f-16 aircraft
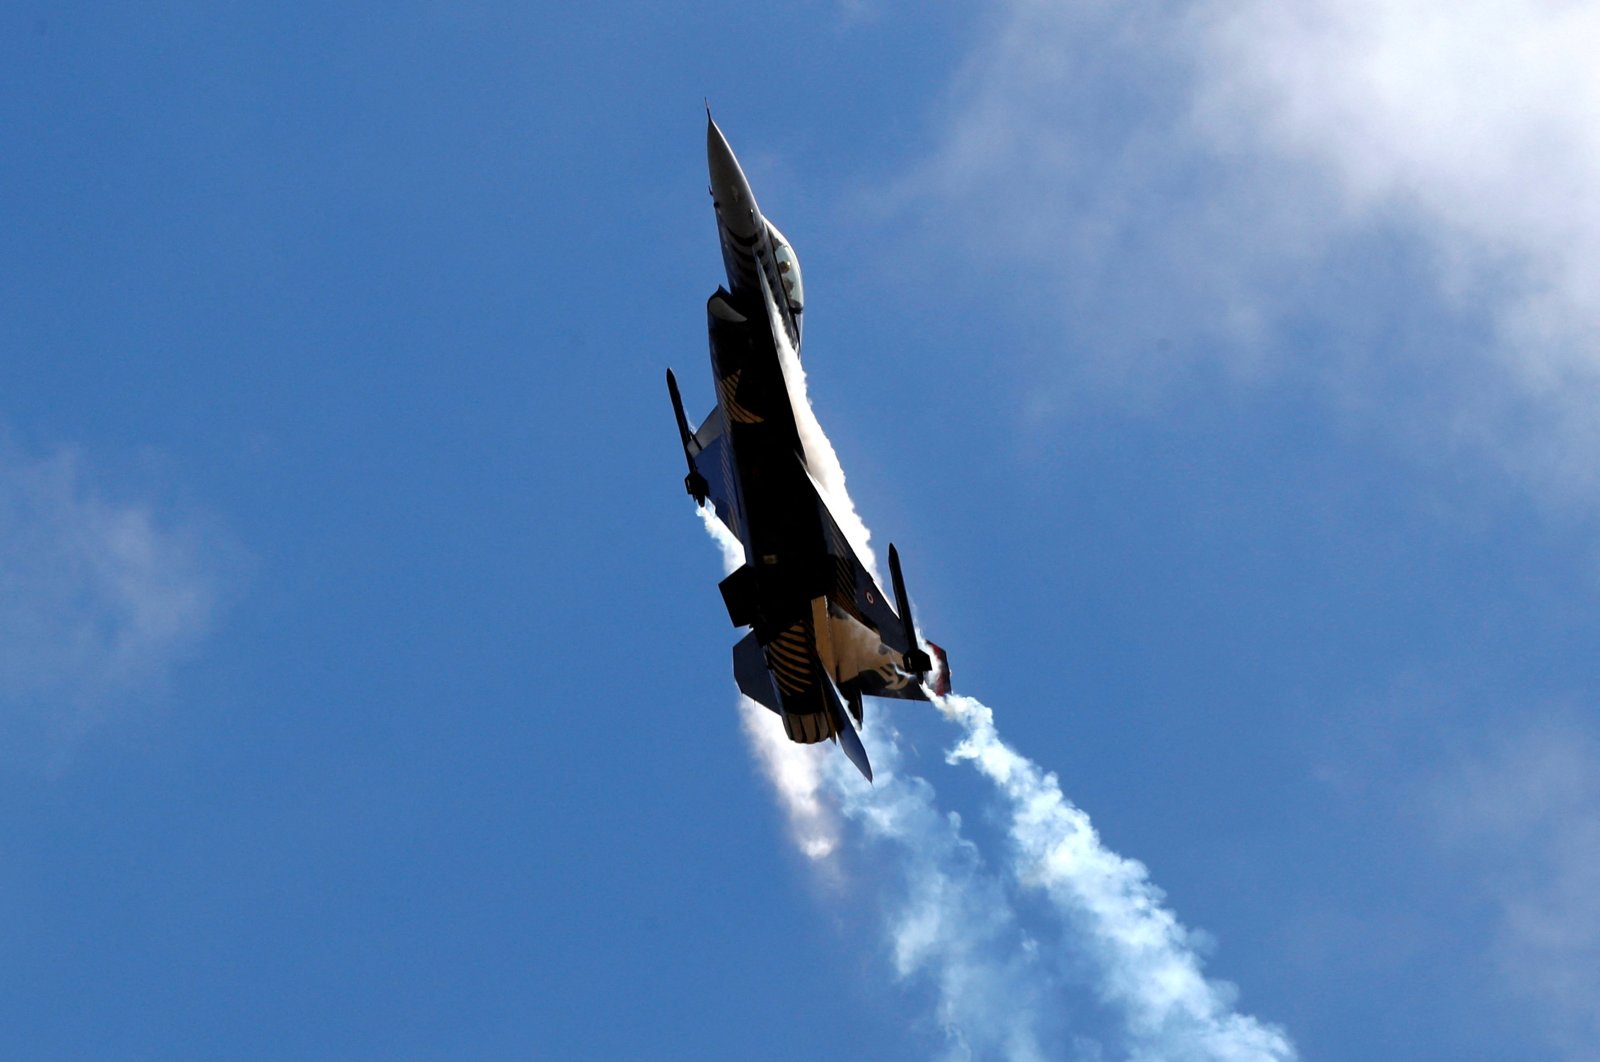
[[822, 634]]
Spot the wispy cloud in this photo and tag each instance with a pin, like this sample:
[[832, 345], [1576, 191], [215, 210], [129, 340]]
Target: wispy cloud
[[99, 594], [1524, 816], [1478, 121]]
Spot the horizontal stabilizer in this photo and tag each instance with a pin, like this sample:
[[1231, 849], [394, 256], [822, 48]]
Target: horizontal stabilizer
[[750, 672]]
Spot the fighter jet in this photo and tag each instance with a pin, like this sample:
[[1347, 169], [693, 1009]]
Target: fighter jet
[[821, 635]]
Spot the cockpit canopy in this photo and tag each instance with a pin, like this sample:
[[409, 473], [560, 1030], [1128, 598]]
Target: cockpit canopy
[[788, 271]]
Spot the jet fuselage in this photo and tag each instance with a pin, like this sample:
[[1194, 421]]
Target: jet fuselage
[[821, 628]]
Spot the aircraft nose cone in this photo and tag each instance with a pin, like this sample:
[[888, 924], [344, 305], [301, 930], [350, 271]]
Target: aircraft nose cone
[[735, 204]]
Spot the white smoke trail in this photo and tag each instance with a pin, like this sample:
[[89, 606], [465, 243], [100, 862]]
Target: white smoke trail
[[949, 918], [727, 542], [795, 771], [1150, 971], [953, 921]]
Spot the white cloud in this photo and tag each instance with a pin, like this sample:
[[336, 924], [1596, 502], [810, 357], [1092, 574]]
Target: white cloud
[[1480, 118], [1525, 817], [99, 596], [1192, 183], [1474, 125]]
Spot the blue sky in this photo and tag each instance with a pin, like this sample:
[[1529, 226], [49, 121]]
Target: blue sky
[[1224, 372]]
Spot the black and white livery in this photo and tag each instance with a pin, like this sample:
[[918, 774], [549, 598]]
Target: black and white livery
[[822, 635]]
